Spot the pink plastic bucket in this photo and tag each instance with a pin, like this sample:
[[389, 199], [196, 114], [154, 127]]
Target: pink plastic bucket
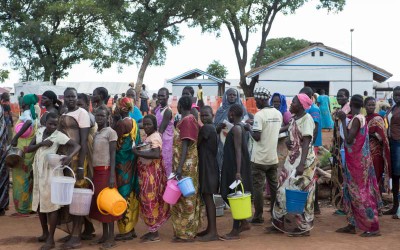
[[27, 133], [172, 192]]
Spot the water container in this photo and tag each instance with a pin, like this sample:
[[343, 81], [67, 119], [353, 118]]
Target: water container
[[62, 187], [343, 157], [81, 200], [240, 203], [172, 192], [186, 186], [296, 201]]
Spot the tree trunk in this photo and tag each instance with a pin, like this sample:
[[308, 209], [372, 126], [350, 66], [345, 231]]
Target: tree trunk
[[46, 75], [143, 67]]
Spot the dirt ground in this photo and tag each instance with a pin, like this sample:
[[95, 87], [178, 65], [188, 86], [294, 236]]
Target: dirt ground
[[21, 233]]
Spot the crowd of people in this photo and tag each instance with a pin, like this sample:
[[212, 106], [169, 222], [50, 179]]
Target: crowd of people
[[275, 146]]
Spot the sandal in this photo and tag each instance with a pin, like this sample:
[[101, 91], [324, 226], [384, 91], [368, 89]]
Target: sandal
[[305, 234], [227, 237], [370, 234], [150, 240]]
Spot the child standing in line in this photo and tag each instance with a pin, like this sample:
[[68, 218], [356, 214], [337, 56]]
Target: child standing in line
[[153, 103], [104, 148], [236, 166], [47, 141], [208, 171]]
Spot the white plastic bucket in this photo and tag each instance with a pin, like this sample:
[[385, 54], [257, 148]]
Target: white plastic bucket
[[62, 187], [81, 200]]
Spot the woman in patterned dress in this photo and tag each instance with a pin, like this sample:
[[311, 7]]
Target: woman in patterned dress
[[361, 197], [185, 214]]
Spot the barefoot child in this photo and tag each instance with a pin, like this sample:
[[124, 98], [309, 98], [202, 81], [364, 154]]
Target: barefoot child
[[208, 171], [235, 165], [104, 148], [47, 141], [152, 181]]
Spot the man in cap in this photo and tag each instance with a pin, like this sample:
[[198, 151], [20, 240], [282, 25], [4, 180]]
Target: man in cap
[[264, 157]]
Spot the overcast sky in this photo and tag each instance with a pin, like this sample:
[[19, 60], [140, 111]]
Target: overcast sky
[[376, 39]]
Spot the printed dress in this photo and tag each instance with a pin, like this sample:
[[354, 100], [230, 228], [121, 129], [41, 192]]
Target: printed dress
[[296, 223], [185, 214], [361, 197], [152, 182]]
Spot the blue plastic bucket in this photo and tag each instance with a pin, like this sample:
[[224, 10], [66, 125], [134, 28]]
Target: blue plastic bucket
[[186, 186], [342, 155], [295, 201]]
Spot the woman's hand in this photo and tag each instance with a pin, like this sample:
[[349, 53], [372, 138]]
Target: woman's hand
[[247, 127], [66, 160], [46, 143], [220, 126], [111, 183], [341, 115], [238, 177], [178, 174], [300, 169]]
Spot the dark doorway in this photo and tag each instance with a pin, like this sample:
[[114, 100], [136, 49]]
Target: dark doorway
[[317, 86]]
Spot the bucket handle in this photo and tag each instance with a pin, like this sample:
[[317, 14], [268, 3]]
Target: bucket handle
[[62, 167], [90, 183], [241, 185]]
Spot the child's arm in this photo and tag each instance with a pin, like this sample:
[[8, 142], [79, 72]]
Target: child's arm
[[113, 149], [33, 146], [185, 147], [75, 149], [26, 125], [154, 153], [237, 139]]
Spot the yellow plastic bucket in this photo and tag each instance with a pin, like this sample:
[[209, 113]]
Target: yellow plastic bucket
[[110, 201], [240, 204]]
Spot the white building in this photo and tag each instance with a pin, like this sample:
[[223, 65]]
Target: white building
[[319, 67], [212, 86]]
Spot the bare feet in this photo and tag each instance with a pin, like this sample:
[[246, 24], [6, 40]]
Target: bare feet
[[108, 245], [349, 229], [43, 237], [202, 233], [391, 211], [73, 243], [47, 246], [272, 230], [150, 237], [208, 237], [99, 241], [127, 236], [65, 239], [232, 236], [180, 240]]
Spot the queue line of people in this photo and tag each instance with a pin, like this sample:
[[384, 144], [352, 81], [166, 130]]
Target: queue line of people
[[102, 146]]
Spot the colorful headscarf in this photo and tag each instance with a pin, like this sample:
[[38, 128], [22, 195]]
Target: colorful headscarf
[[125, 104], [305, 101], [283, 106], [262, 93], [222, 112], [31, 100]]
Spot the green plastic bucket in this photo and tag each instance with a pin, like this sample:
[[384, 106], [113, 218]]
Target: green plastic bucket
[[240, 204]]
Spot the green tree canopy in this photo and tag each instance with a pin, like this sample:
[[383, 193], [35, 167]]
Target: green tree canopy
[[46, 37], [149, 26], [3, 75], [277, 48], [217, 69], [243, 17]]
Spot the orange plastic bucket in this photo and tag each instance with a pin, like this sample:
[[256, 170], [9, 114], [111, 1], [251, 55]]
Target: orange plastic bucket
[[109, 201]]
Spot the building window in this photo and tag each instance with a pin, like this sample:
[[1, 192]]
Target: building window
[[321, 53], [313, 53]]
